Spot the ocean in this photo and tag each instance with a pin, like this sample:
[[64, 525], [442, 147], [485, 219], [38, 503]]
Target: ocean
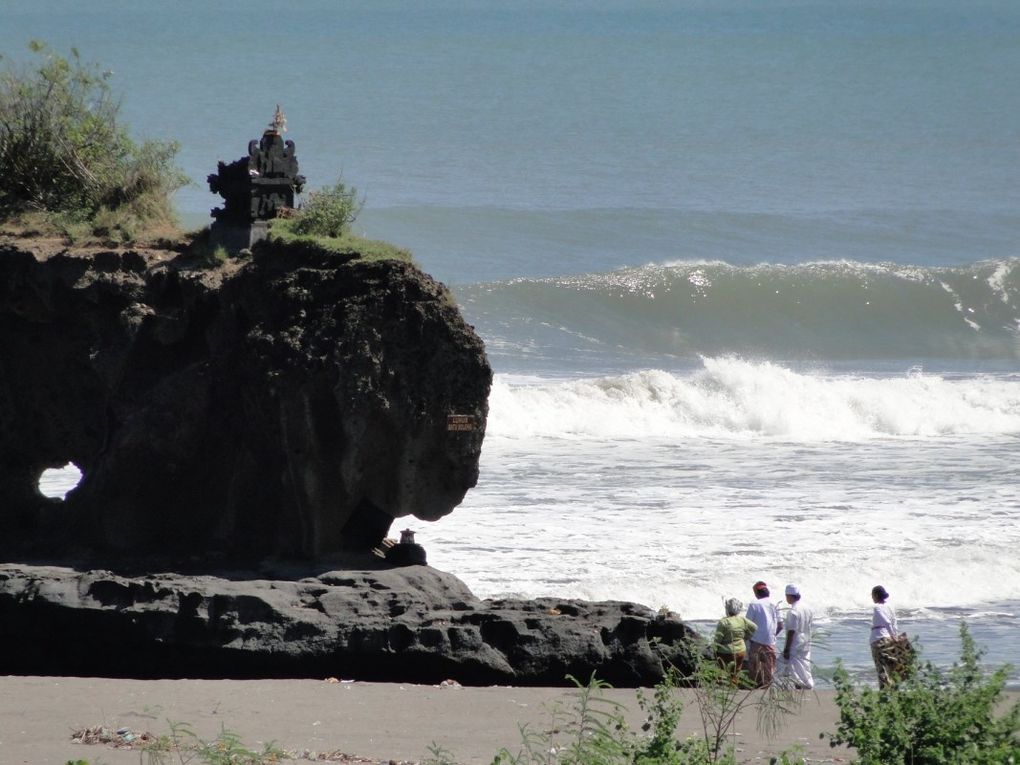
[[748, 273]]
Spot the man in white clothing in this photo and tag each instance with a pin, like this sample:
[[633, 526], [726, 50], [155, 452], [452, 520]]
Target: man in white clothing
[[797, 650], [762, 656]]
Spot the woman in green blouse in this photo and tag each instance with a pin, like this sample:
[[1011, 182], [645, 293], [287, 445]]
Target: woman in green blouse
[[730, 634]]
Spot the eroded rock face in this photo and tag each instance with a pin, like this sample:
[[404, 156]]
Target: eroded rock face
[[292, 404], [411, 624]]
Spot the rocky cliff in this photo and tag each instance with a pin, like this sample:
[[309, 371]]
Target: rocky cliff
[[247, 433], [291, 404]]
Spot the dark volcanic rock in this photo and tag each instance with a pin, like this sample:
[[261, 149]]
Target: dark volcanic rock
[[410, 624], [292, 404]]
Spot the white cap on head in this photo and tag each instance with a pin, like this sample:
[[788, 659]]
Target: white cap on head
[[792, 589]]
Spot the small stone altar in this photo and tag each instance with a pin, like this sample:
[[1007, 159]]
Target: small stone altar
[[255, 188]]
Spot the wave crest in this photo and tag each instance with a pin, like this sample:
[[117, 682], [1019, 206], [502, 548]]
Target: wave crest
[[733, 397], [825, 310]]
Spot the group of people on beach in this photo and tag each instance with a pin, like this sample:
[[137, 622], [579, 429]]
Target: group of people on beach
[[753, 637]]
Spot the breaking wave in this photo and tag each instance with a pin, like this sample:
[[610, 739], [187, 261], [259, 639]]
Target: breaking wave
[[824, 310], [730, 397]]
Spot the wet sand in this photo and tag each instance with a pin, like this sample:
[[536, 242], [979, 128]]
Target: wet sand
[[378, 721]]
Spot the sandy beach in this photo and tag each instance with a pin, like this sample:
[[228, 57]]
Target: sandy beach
[[377, 721]]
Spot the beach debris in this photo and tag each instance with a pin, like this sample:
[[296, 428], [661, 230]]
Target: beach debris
[[122, 738], [342, 757], [450, 684], [126, 738]]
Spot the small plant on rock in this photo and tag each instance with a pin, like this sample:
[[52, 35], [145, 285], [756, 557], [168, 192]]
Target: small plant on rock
[[328, 212], [324, 222]]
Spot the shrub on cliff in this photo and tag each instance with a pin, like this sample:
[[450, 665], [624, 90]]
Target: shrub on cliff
[[63, 151], [325, 220], [328, 212]]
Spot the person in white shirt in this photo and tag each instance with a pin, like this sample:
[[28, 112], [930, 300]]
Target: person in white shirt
[[883, 634], [761, 659], [797, 650]]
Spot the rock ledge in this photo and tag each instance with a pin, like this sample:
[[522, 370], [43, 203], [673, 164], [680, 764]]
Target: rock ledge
[[412, 624]]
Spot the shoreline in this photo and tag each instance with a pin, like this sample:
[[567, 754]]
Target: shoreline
[[377, 721]]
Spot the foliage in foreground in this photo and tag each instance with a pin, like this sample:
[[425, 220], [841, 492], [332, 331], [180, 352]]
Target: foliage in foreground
[[64, 153], [595, 730], [183, 746], [931, 717]]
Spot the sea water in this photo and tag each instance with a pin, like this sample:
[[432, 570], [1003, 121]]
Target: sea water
[[748, 274]]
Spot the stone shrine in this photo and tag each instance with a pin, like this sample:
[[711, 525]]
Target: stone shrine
[[255, 188]]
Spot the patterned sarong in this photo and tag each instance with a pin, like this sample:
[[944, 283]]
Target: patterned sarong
[[761, 663], [893, 656]]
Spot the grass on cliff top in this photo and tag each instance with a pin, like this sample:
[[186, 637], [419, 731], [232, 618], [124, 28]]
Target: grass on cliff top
[[325, 219], [347, 243], [71, 232]]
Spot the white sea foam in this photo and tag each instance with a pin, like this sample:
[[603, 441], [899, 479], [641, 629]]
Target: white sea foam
[[997, 280], [680, 490], [739, 398], [56, 482]]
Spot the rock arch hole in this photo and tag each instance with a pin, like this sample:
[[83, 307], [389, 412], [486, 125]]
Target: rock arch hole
[[56, 482]]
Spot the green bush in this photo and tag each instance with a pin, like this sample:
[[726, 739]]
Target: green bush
[[328, 212], [931, 717], [182, 745], [595, 731], [63, 151]]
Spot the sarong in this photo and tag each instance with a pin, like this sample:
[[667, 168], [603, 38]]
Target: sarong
[[761, 663], [798, 669], [893, 658]]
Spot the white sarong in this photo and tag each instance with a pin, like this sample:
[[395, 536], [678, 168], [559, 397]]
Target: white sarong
[[798, 669], [798, 666]]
